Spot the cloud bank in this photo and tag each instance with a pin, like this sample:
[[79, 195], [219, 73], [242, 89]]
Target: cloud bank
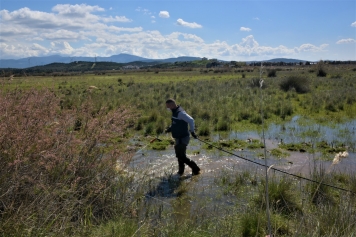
[[81, 30]]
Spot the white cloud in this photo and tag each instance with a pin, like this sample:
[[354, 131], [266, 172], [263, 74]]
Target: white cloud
[[37, 47], [55, 32], [61, 48], [76, 10], [33, 23], [311, 48], [63, 35], [187, 24], [256, 18], [116, 19], [22, 50], [346, 41], [245, 29], [164, 14], [38, 39], [353, 24]]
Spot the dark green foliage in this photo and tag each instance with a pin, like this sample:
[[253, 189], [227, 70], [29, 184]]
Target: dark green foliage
[[331, 106], [244, 115], [272, 73], [222, 125], [301, 147], [283, 109], [320, 69], [203, 129], [321, 194], [160, 126], [149, 129], [279, 153], [205, 115], [256, 118], [255, 144], [153, 116], [160, 145], [282, 197], [252, 224], [297, 83], [321, 73]]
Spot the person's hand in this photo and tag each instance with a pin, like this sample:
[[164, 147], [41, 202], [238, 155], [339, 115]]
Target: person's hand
[[194, 135]]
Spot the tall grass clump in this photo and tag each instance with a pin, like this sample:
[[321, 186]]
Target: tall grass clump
[[272, 73], [253, 224], [320, 69], [282, 196], [298, 83], [203, 129], [57, 176], [321, 194]]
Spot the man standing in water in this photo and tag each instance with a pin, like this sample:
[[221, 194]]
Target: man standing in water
[[180, 132]]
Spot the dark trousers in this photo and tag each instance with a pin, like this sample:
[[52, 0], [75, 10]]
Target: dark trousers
[[180, 148]]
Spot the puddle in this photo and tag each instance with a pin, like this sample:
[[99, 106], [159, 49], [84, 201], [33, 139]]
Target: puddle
[[301, 130]]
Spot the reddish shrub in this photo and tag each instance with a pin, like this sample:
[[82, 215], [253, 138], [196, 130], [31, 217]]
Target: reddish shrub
[[54, 174]]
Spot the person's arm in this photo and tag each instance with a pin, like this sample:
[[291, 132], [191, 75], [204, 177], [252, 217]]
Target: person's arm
[[187, 118]]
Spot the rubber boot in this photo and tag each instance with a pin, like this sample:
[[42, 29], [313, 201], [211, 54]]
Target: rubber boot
[[181, 166], [180, 150], [194, 167]]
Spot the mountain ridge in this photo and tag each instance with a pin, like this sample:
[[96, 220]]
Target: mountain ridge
[[28, 62]]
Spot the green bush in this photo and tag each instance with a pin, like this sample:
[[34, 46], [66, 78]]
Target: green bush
[[204, 129], [149, 129], [298, 83], [320, 69], [256, 118], [272, 73], [321, 73], [222, 125]]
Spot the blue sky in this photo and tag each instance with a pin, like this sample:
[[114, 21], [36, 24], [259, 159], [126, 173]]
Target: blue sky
[[239, 30]]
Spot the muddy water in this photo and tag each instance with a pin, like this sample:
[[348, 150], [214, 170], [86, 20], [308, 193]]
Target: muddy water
[[166, 188], [162, 163]]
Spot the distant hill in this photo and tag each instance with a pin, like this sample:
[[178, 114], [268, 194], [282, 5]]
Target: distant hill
[[120, 58], [285, 60], [31, 62], [276, 60]]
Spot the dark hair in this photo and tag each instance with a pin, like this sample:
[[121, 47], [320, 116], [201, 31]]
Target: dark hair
[[169, 101]]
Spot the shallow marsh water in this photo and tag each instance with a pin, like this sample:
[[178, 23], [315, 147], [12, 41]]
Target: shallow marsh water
[[298, 130], [165, 188]]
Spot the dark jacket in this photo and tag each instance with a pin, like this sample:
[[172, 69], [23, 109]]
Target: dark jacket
[[179, 127]]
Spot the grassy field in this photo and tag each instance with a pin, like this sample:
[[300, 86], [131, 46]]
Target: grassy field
[[64, 151]]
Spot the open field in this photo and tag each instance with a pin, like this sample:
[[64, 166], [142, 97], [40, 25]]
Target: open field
[[68, 149]]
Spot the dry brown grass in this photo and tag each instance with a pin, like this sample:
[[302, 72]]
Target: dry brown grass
[[57, 166]]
